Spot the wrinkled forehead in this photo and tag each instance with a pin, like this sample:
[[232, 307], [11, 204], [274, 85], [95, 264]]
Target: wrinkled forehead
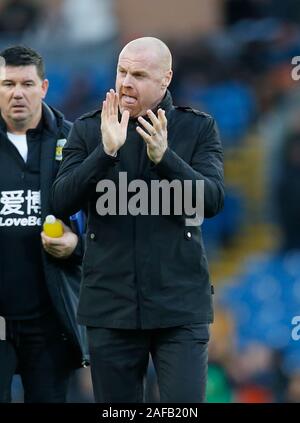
[[19, 73], [138, 58]]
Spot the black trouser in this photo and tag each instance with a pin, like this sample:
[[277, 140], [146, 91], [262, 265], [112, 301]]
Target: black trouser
[[37, 350], [119, 360], [7, 368]]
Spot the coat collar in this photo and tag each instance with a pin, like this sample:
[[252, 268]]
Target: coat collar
[[52, 125], [52, 119], [166, 103]]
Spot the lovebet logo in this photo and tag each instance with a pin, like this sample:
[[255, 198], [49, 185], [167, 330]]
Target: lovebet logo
[[159, 198]]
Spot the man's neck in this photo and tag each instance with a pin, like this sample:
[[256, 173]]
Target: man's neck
[[20, 128]]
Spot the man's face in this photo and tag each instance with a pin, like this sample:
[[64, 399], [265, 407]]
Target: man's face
[[140, 82], [21, 94]]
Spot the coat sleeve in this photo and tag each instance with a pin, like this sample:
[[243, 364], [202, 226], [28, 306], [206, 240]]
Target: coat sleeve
[[206, 164], [79, 172]]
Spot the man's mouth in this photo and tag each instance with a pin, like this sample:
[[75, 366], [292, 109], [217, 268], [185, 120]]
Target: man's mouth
[[18, 107], [128, 99]]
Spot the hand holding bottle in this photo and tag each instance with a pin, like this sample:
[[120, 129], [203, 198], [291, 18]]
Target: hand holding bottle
[[58, 239], [53, 227]]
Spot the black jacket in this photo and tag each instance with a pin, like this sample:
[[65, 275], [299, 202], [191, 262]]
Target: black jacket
[[142, 271], [62, 276]]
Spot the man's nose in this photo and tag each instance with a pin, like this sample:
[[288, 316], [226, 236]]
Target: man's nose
[[127, 81], [18, 92]]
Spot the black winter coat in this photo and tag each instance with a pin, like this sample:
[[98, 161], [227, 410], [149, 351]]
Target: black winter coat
[[62, 276], [142, 271]]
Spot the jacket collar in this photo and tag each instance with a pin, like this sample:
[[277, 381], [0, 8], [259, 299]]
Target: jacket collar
[[3, 127], [166, 103], [52, 119]]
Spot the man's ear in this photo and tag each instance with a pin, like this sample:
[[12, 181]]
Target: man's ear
[[167, 79], [45, 86]]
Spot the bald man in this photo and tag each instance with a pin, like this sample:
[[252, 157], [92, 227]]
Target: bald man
[[146, 288]]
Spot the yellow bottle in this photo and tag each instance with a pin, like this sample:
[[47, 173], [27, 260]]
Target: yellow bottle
[[53, 227]]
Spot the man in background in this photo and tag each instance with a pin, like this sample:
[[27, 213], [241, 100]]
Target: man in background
[[39, 276]]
